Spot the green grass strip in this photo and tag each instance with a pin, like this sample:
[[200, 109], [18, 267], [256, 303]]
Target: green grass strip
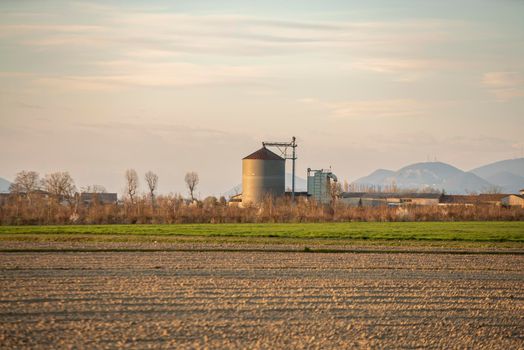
[[512, 231]]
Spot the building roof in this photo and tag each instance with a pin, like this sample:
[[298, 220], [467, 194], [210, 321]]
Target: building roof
[[472, 199], [104, 196], [264, 154], [492, 196], [458, 198], [515, 195], [384, 195]]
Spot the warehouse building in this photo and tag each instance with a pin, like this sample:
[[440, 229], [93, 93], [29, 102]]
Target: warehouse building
[[375, 199]]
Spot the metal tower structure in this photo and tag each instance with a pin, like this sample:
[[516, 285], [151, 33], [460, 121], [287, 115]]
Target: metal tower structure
[[283, 148]]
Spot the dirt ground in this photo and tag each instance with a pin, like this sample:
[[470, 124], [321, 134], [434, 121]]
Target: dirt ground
[[260, 300]]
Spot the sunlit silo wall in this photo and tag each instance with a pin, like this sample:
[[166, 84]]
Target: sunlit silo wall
[[263, 174]]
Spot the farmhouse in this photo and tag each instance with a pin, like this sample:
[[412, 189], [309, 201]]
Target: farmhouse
[[89, 198], [513, 200]]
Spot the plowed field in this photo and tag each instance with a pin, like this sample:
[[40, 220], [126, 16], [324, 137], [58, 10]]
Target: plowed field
[[220, 299]]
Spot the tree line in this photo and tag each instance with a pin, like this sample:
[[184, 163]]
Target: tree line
[[61, 185], [53, 200]]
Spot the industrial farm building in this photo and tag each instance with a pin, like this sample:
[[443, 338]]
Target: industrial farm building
[[264, 175]]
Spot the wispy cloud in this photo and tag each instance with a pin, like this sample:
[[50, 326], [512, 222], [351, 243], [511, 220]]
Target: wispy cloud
[[126, 46], [116, 75], [403, 69], [227, 34], [14, 29], [388, 108], [504, 85]]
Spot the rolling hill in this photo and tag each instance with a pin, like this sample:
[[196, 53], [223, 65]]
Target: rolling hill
[[380, 176], [508, 174], [4, 185], [436, 175]]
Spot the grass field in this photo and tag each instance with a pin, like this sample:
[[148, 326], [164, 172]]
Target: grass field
[[398, 231]]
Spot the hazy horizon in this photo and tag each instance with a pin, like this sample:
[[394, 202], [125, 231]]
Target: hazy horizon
[[95, 88]]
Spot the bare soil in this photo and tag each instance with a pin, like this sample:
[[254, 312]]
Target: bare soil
[[260, 300]]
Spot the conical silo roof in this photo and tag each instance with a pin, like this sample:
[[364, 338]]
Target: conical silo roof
[[264, 154]]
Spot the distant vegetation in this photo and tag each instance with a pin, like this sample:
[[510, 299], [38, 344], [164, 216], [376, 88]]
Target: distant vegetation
[[172, 209], [54, 200]]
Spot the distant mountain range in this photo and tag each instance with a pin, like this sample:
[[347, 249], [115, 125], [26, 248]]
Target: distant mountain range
[[4, 185], [506, 176]]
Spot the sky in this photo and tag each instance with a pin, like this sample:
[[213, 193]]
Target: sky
[[98, 87]]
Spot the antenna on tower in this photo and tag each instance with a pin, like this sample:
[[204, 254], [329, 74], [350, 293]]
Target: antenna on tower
[[283, 149]]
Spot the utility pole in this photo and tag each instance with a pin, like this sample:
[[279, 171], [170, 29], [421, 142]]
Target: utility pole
[[283, 149], [294, 157]]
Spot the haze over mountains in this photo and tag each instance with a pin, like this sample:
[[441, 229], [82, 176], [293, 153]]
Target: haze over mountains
[[508, 174], [505, 176], [4, 185]]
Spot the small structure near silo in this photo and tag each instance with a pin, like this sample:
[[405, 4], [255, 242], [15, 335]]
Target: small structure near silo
[[319, 185], [263, 174], [283, 148]]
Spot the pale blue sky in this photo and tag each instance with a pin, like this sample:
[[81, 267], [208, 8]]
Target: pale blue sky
[[171, 86]]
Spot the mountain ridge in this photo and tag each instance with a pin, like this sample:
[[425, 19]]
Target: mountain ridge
[[428, 175], [4, 185], [507, 175]]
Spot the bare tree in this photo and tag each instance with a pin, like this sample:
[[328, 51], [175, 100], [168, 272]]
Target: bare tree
[[335, 190], [25, 182], [493, 189], [93, 189], [191, 183], [346, 187], [152, 184], [60, 185], [131, 184]]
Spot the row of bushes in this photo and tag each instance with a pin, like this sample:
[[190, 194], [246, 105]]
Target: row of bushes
[[174, 209]]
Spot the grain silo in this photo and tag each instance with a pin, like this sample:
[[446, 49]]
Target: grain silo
[[263, 174]]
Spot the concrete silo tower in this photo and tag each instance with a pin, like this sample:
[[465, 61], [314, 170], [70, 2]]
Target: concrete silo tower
[[263, 173]]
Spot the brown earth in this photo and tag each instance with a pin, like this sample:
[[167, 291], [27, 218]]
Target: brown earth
[[266, 300]]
